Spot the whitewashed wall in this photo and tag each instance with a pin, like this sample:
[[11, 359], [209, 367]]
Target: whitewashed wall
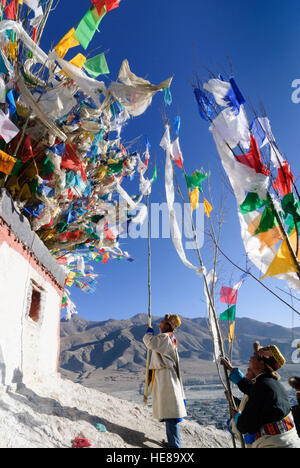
[[28, 350]]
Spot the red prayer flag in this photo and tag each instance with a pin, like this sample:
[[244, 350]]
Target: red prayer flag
[[179, 163], [71, 161], [99, 4], [34, 34], [284, 181], [110, 5], [11, 10], [228, 295], [252, 158]]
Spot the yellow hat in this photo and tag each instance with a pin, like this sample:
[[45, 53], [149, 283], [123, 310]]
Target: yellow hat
[[277, 356], [173, 320], [271, 352]]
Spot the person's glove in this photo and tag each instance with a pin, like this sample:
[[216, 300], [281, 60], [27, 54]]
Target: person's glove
[[184, 401], [150, 330]]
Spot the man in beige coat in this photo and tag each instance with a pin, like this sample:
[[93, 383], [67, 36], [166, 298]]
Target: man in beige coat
[[168, 400]]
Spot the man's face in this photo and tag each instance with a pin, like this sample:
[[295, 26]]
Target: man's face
[[164, 326]]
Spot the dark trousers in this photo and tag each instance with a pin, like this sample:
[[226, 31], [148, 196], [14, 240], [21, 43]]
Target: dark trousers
[[173, 433]]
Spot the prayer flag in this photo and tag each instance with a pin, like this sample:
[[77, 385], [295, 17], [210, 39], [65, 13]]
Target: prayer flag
[[177, 125], [88, 26], [207, 208], [168, 96], [79, 60], [251, 203], [154, 176], [8, 130], [267, 221], [7, 162], [194, 198], [229, 314], [195, 180], [231, 332], [228, 295], [205, 107], [176, 153], [252, 158], [96, 66], [11, 10], [110, 4], [283, 261], [66, 43], [284, 181]]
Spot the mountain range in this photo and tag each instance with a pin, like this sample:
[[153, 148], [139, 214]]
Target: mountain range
[[98, 353]]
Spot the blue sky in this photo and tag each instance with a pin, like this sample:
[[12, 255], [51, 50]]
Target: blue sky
[[175, 38]]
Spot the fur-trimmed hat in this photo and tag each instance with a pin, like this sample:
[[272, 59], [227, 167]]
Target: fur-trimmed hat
[[173, 320], [274, 358]]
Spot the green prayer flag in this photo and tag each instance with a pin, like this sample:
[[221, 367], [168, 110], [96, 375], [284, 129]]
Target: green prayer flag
[[154, 177], [291, 206], [96, 66], [268, 220], [229, 314], [251, 203], [195, 180], [87, 27]]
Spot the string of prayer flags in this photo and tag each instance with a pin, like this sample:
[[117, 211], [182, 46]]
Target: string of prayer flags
[[96, 66], [229, 314], [67, 42], [7, 162], [87, 27]]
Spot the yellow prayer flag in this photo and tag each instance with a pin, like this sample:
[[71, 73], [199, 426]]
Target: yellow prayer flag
[[70, 278], [231, 332], [194, 198], [67, 42], [207, 208], [102, 173], [7, 162], [79, 60], [283, 261], [25, 192]]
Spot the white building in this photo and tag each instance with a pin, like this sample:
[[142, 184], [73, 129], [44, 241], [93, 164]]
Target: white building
[[31, 289]]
